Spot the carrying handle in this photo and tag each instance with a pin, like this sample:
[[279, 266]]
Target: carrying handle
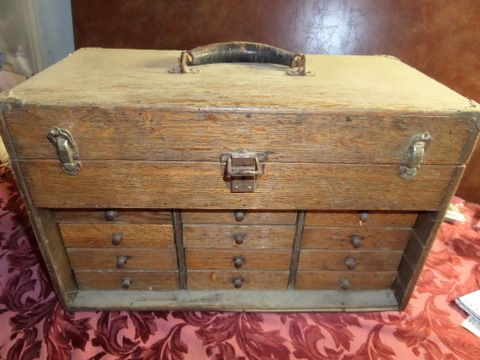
[[243, 52]]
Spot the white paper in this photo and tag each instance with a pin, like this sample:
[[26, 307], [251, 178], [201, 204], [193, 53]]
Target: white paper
[[472, 325]]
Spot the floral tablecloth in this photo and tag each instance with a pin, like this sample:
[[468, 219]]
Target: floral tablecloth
[[33, 324]]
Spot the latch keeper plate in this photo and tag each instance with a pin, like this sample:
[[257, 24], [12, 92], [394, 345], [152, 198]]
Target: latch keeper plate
[[242, 169], [413, 155]]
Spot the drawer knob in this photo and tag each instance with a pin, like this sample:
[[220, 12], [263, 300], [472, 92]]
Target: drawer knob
[[363, 216], [117, 238], [239, 238], [110, 215], [121, 261], [350, 262], [357, 241], [238, 261], [237, 282], [239, 215], [126, 282], [344, 284]]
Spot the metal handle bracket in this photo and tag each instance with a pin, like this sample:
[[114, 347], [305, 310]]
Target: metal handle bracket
[[413, 156], [67, 150]]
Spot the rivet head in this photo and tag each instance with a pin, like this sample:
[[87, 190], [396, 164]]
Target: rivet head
[[239, 215]]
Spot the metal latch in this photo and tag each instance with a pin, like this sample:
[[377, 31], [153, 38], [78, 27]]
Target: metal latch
[[413, 156], [67, 150], [242, 168]]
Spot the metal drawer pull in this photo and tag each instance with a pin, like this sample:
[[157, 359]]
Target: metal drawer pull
[[67, 150], [239, 215], [242, 169], [110, 215], [356, 241], [126, 282], [239, 238], [344, 284], [238, 261], [350, 262], [413, 156], [237, 282], [121, 261], [117, 238], [363, 216]]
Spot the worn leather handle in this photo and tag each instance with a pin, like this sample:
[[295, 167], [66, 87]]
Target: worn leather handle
[[243, 52]]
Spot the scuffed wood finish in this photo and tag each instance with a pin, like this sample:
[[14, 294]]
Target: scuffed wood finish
[[341, 237], [300, 186], [92, 216], [223, 280], [254, 236], [106, 259], [140, 280], [314, 280], [219, 259], [181, 136], [375, 218], [133, 235], [252, 217], [335, 260]]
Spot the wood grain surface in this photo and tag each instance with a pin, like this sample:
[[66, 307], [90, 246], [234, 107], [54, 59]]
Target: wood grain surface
[[130, 216], [352, 219], [200, 185], [315, 280], [253, 236], [335, 260], [252, 280], [252, 217], [222, 259], [133, 235], [140, 280]]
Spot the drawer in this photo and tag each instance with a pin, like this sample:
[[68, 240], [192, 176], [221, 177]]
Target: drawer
[[361, 260], [237, 280], [127, 280], [247, 217], [355, 237], [244, 236], [200, 259], [329, 280], [114, 259], [114, 215], [118, 235], [364, 218]]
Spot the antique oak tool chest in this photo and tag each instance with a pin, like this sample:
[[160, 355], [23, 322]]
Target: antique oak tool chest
[[235, 176]]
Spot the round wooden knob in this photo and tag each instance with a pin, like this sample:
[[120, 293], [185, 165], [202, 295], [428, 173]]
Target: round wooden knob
[[126, 282], [239, 215], [357, 241], [350, 262], [239, 238], [110, 215], [344, 284], [117, 238], [121, 261], [238, 261], [363, 216], [237, 282]]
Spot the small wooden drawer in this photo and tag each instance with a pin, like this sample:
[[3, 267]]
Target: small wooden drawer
[[361, 260], [117, 235], [363, 218], [328, 280], [114, 216], [355, 238], [244, 217], [237, 280], [127, 280], [243, 236], [125, 259], [202, 259]]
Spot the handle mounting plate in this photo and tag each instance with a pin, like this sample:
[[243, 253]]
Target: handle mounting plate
[[242, 169]]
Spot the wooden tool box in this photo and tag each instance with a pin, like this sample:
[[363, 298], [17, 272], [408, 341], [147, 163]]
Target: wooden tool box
[[180, 180]]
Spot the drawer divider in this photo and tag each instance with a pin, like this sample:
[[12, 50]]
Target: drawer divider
[[297, 244], [178, 234]]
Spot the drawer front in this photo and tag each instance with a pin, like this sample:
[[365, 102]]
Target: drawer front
[[237, 280], [331, 280], [198, 259], [244, 217], [113, 259], [127, 280], [349, 260], [193, 185], [249, 236], [349, 238], [363, 218], [114, 216], [117, 235]]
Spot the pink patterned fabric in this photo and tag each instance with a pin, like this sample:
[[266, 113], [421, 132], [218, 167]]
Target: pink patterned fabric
[[33, 325]]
